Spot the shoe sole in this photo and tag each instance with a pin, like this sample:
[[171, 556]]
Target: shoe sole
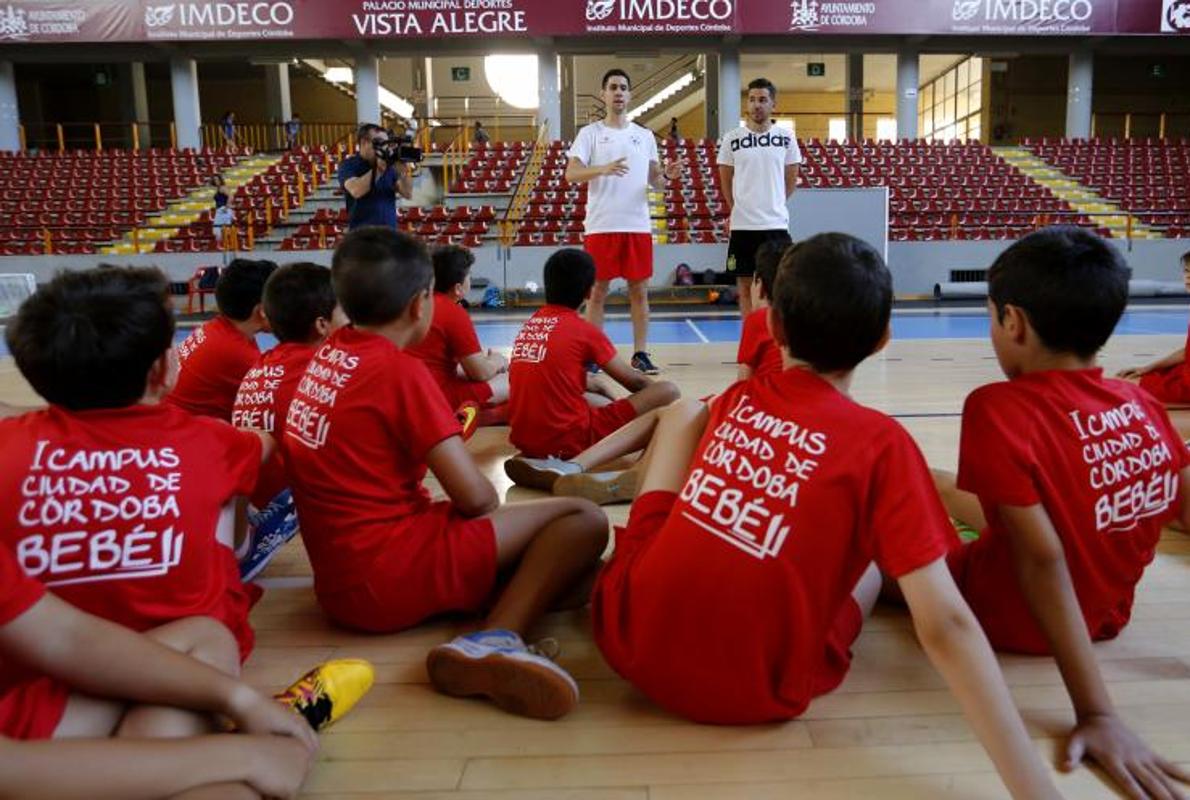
[[602, 491], [518, 687], [524, 474], [653, 371]]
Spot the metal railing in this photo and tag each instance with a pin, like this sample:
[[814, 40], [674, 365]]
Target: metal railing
[[524, 188], [588, 108], [1139, 125], [274, 135]]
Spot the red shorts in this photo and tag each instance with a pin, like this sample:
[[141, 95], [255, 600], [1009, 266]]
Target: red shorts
[[621, 255], [458, 392], [438, 562], [613, 586], [33, 709], [605, 420], [1167, 385]]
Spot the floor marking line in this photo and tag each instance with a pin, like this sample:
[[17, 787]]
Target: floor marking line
[[697, 332]]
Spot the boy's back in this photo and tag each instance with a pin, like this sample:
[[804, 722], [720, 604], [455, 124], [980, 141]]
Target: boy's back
[[547, 374], [212, 361], [1102, 458], [364, 416], [124, 512], [739, 609]]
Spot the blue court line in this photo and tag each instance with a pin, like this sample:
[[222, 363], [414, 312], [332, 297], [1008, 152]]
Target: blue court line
[[696, 330]]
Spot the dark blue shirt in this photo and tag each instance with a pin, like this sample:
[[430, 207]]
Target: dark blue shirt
[[379, 205]]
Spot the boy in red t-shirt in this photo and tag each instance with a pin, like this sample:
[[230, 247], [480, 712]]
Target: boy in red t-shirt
[[299, 303], [1168, 378], [365, 424], [110, 691], [117, 502], [451, 351], [214, 357], [1070, 476], [745, 570], [560, 427], [758, 353]]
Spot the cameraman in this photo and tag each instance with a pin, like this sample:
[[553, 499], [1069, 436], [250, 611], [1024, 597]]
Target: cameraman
[[370, 184]]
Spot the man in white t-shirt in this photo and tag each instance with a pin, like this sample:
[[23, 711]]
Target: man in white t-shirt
[[619, 159], [758, 172]]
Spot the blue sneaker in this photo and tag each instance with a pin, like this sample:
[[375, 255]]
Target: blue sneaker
[[268, 531], [643, 363], [498, 665]]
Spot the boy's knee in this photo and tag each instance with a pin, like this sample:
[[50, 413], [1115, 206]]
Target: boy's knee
[[592, 521], [668, 392], [214, 644], [682, 410]]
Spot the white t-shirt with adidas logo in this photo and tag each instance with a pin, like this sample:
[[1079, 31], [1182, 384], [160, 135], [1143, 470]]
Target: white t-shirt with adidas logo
[[617, 203], [758, 185]]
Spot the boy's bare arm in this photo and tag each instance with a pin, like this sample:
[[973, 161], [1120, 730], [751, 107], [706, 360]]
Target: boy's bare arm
[[472, 494], [622, 373], [130, 769], [483, 366], [1173, 359], [101, 658], [1099, 733], [268, 445], [959, 650]]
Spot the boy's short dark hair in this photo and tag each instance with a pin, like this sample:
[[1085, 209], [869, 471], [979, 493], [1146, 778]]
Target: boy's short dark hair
[[241, 285], [611, 73], [767, 257], [764, 83], [87, 339], [1071, 284], [377, 272], [1186, 257], [832, 297], [452, 263], [569, 276], [295, 296]]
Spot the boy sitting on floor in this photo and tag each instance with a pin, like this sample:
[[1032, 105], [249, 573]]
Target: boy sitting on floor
[[558, 425], [758, 353], [299, 304], [365, 424], [1069, 476], [752, 540], [451, 351], [1168, 378], [214, 357]]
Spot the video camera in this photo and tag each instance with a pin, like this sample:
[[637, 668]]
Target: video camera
[[397, 149]]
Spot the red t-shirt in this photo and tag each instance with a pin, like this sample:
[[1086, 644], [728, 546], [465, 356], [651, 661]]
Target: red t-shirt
[[1172, 384], [1101, 456], [450, 339], [359, 427], [547, 378], [758, 349], [125, 512], [213, 360], [793, 491], [262, 402]]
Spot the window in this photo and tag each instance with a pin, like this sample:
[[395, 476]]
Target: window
[[837, 129], [886, 129], [950, 106]]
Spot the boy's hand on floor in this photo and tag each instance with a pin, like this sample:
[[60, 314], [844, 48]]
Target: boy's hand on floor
[[1131, 374], [1135, 768], [254, 713]]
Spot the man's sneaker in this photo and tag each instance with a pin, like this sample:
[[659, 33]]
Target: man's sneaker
[[601, 488], [326, 693], [268, 531], [641, 362], [496, 664], [539, 473], [468, 416]]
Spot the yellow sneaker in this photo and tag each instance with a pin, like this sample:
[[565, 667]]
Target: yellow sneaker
[[325, 694]]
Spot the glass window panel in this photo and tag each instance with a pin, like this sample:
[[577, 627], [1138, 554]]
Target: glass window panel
[[962, 80], [886, 129], [975, 96], [927, 95], [973, 130], [948, 84], [961, 109], [837, 129], [976, 69]]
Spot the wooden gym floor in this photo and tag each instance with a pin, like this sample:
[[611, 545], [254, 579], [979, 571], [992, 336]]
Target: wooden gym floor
[[891, 731]]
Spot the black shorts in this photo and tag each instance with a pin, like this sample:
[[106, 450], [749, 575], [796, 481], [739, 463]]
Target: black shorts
[[742, 247]]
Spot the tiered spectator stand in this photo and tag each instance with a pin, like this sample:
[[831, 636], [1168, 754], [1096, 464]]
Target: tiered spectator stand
[[91, 198], [1147, 179]]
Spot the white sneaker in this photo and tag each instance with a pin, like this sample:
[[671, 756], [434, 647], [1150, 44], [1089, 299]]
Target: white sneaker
[[539, 473], [498, 665]]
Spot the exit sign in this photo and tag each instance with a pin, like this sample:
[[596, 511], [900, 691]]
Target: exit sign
[[816, 69], [460, 74]]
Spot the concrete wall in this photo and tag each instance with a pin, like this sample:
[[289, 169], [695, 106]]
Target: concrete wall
[[916, 266]]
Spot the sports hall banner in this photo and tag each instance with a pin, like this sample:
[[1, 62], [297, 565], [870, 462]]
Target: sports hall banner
[[67, 21]]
